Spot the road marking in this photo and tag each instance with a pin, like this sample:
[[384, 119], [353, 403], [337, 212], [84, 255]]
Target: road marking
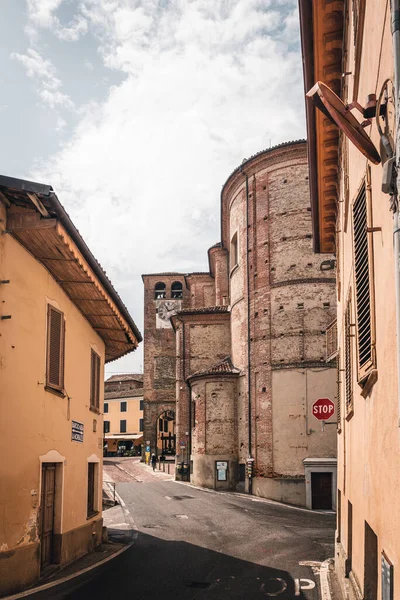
[[321, 569], [279, 592], [181, 516], [168, 497], [296, 587]]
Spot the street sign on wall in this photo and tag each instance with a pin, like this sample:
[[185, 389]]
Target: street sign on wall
[[323, 409]]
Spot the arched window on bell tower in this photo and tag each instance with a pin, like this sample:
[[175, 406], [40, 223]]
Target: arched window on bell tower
[[160, 290], [176, 290]]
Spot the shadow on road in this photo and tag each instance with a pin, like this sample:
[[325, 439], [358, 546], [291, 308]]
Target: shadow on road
[[174, 570]]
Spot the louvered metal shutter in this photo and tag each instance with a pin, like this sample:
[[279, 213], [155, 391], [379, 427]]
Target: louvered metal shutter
[[338, 394], [363, 274], [348, 359], [95, 381], [55, 348]]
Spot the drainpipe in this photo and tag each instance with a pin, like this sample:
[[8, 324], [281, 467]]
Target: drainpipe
[[395, 15], [248, 328]]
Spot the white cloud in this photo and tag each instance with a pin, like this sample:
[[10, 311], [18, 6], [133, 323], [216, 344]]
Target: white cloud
[[44, 72], [41, 15], [207, 84]]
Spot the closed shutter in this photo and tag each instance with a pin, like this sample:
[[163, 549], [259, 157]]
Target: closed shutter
[[348, 359], [338, 394], [55, 349], [363, 279], [95, 381]]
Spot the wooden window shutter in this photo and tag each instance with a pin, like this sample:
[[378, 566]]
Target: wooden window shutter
[[55, 349], [95, 381], [363, 269]]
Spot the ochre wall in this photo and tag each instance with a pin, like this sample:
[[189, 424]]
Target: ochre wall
[[34, 421], [369, 443]]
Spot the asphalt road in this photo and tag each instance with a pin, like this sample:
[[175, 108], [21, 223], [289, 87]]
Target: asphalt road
[[194, 544]]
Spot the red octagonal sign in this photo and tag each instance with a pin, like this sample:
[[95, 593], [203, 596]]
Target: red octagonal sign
[[323, 409]]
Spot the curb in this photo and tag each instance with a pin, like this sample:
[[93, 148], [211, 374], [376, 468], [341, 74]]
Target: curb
[[253, 498], [47, 586]]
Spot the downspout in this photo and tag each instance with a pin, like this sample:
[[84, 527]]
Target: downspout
[[248, 330], [395, 15]]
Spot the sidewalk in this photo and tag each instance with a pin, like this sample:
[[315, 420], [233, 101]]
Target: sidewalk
[[121, 534]]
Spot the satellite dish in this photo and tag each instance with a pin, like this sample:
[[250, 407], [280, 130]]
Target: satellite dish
[[337, 112]]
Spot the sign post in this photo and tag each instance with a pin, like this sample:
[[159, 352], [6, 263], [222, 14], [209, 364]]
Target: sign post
[[323, 409]]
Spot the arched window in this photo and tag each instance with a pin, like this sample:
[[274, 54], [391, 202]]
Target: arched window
[[176, 290], [159, 290]]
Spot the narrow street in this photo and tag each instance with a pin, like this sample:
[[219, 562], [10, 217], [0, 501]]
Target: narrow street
[[198, 544]]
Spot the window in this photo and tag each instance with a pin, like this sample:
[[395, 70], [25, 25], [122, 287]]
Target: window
[[123, 407], [348, 359], [165, 426], [55, 349], [122, 426], [363, 271], [141, 425], [159, 291], [91, 497], [338, 394], [95, 382], [234, 256], [106, 407], [106, 426], [141, 404], [176, 290], [160, 425]]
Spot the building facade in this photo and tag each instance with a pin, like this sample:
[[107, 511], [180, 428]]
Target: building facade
[[348, 47], [58, 308], [250, 342], [123, 415]]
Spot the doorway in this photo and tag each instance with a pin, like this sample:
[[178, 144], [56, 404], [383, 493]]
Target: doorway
[[47, 505], [370, 563], [321, 490]]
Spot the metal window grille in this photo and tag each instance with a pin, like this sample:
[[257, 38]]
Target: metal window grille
[[331, 341]]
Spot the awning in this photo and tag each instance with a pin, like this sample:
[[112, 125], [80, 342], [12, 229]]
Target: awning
[[127, 436]]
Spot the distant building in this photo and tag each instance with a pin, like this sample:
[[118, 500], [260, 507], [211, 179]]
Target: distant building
[[164, 294], [123, 414], [348, 47], [61, 321], [250, 343]]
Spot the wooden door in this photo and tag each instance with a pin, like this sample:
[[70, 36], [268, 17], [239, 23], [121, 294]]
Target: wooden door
[[321, 490], [47, 513], [370, 563]]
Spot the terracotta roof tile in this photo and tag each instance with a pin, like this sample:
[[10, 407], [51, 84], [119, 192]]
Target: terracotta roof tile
[[126, 377], [224, 366]]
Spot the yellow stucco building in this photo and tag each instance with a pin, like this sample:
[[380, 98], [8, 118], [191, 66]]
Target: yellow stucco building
[[61, 320], [123, 415], [348, 51]]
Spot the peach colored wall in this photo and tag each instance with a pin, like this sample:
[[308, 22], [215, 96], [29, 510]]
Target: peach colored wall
[[132, 415], [369, 444], [32, 420]]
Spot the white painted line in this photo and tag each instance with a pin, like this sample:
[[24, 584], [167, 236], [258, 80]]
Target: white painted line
[[324, 578], [181, 516], [168, 497], [296, 587], [308, 584]]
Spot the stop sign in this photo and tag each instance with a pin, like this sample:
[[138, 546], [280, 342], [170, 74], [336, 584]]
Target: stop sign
[[323, 409]]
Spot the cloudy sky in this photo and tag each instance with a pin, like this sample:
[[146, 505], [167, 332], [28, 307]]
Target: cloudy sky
[[137, 111]]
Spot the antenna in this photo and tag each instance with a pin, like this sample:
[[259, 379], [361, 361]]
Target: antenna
[[332, 107]]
